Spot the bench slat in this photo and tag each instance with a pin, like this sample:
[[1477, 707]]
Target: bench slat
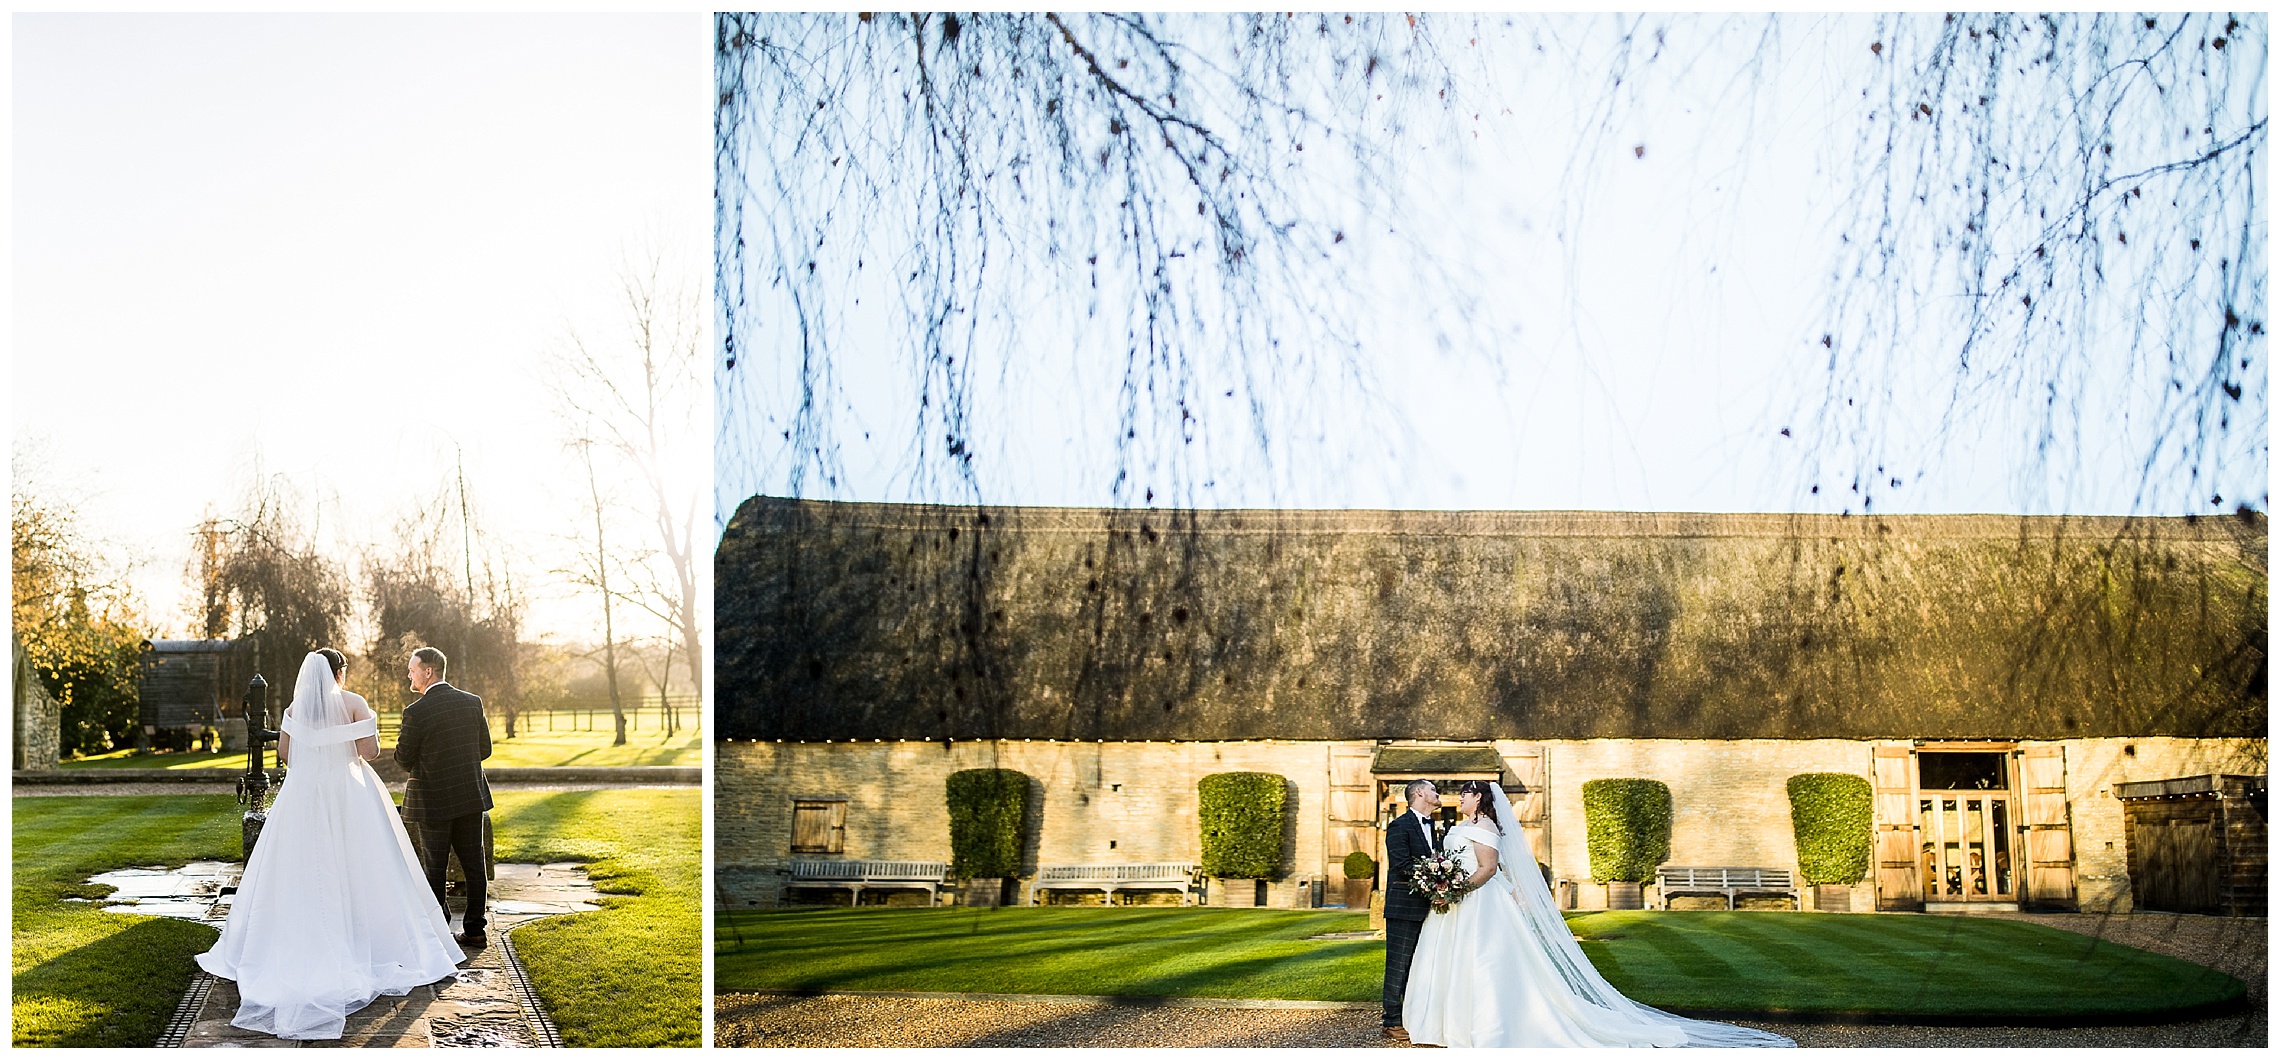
[[1092, 874], [869, 871]]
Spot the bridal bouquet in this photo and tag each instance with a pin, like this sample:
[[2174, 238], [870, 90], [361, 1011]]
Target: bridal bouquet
[[1439, 879]]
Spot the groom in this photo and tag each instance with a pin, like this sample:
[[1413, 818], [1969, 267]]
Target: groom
[[1408, 838], [442, 744]]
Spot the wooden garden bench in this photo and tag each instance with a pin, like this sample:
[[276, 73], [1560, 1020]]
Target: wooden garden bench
[[1729, 882], [1109, 879], [856, 875]]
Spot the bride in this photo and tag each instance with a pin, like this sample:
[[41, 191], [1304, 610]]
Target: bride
[[1500, 967], [332, 910]]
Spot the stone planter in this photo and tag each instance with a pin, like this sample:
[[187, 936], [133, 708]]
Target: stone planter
[[1358, 892], [1237, 893], [1625, 894], [987, 892]]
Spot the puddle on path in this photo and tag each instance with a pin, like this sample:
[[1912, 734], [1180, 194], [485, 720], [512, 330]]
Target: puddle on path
[[197, 891], [192, 892]]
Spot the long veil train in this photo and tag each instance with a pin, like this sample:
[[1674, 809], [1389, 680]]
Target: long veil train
[[1541, 915]]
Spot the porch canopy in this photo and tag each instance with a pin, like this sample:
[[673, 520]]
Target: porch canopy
[[1448, 762]]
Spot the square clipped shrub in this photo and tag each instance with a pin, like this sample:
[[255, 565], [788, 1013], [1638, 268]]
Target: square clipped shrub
[[987, 807], [1627, 826], [1241, 815], [1834, 817]]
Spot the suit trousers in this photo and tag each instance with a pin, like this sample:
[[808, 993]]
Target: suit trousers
[[464, 836], [1400, 949]]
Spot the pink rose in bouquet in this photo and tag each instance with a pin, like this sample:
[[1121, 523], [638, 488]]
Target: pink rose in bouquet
[[1439, 880]]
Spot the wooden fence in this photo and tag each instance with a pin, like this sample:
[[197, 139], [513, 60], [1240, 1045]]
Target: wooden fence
[[678, 714]]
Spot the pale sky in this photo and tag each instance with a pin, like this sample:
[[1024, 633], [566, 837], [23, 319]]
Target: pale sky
[[337, 247], [1647, 325]]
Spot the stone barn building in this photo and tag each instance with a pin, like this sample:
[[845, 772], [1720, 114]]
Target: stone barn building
[[1995, 679]]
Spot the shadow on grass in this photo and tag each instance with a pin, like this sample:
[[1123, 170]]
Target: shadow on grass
[[1122, 953], [117, 991], [1780, 965]]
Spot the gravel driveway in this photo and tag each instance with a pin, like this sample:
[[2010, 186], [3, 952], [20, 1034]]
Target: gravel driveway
[[2234, 945], [839, 1021]]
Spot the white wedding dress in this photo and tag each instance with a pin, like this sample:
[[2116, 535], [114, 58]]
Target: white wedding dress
[[1501, 969], [333, 910]]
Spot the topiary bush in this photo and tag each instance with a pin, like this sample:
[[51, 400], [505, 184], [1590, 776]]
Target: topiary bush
[[1241, 815], [987, 807], [1360, 866], [1834, 815], [1627, 826]]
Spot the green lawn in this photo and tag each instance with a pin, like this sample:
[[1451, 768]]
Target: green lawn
[[1887, 963], [631, 974], [561, 747], [87, 978], [1134, 952], [1735, 962], [627, 975]]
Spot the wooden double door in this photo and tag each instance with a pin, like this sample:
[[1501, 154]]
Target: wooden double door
[[1966, 845], [1970, 823]]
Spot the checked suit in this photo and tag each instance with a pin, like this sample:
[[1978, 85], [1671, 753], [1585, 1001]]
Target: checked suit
[[1406, 839], [442, 744]]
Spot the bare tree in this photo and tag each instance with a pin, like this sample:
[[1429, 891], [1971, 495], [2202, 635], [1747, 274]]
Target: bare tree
[[438, 581], [636, 396], [263, 571], [2043, 210], [2053, 214], [1183, 198], [594, 564]]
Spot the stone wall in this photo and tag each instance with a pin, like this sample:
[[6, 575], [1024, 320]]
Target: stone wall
[[38, 718], [1729, 798], [1103, 802], [2093, 767], [1730, 802]]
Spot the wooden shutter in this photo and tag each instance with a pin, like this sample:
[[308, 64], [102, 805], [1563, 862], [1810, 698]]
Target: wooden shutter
[[2050, 839], [819, 827], [1353, 805], [1897, 870], [1530, 801]]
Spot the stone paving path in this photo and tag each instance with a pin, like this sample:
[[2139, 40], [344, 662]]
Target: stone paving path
[[487, 1004]]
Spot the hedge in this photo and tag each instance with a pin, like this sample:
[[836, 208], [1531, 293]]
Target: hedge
[[1627, 826], [1834, 816], [987, 807], [1360, 866], [1242, 823]]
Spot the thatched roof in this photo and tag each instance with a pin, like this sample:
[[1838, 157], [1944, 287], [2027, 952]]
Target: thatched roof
[[880, 621]]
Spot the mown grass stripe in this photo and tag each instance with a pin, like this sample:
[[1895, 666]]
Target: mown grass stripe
[[1741, 961]]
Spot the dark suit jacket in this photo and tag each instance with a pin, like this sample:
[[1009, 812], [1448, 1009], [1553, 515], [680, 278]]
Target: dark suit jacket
[[442, 744], [1406, 840]]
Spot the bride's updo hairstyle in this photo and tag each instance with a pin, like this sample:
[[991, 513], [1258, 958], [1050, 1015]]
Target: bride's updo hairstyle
[[338, 661], [1487, 800]]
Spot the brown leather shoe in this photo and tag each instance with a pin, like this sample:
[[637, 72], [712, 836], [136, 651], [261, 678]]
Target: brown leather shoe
[[1397, 1034], [470, 942]]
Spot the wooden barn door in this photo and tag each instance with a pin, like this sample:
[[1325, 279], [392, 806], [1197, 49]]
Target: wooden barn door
[[2176, 861], [2050, 839], [1531, 802], [1899, 869], [1353, 808]]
